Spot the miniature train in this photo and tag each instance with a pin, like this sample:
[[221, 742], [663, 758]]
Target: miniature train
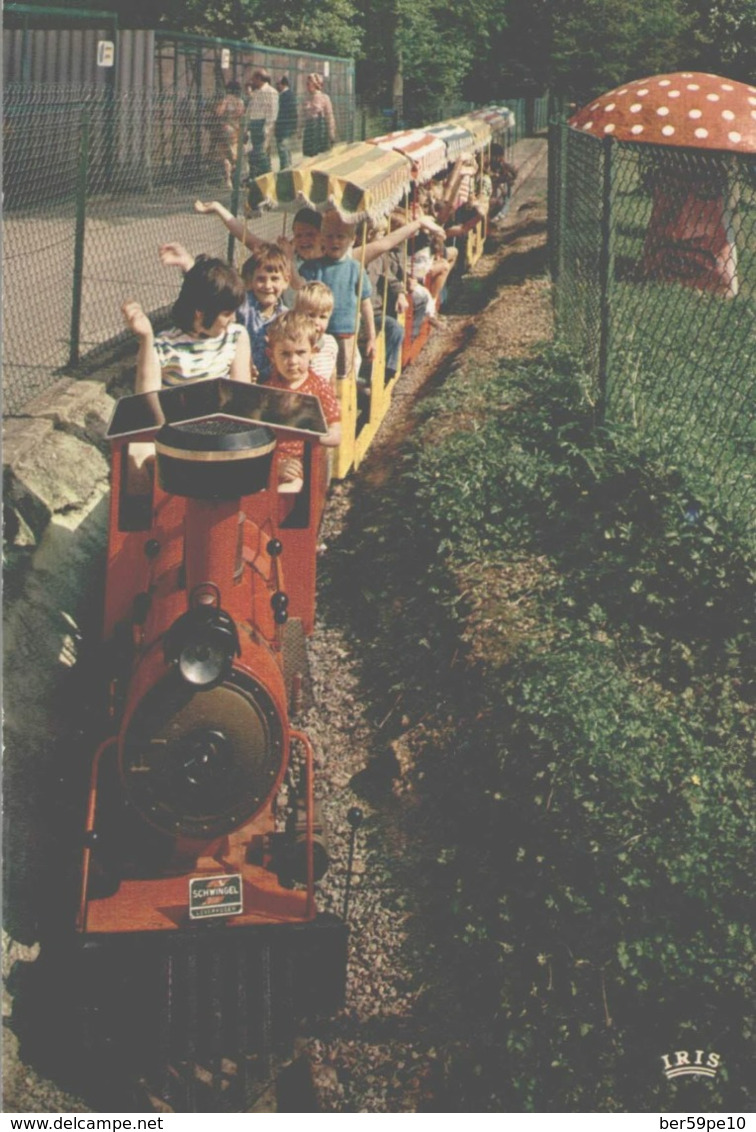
[[197, 893]]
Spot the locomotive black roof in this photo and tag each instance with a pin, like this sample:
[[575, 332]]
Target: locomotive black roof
[[217, 398]]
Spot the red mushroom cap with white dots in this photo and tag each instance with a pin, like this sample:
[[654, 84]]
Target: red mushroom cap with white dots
[[687, 108]]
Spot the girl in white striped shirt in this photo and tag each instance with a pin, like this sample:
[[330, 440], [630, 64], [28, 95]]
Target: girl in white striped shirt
[[206, 340]]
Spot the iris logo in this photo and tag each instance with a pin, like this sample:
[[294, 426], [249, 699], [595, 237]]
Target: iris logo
[[683, 1063]]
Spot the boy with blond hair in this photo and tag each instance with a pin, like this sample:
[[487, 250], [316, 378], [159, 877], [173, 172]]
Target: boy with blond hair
[[349, 284], [316, 301], [292, 339]]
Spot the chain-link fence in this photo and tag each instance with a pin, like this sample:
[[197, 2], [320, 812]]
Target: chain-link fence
[[653, 253], [192, 70], [94, 181], [93, 185]]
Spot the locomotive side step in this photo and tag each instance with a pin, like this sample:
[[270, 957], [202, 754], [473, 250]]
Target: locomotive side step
[[297, 673]]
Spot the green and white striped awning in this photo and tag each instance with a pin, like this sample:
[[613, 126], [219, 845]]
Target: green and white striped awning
[[478, 127], [459, 141], [287, 189], [359, 180]]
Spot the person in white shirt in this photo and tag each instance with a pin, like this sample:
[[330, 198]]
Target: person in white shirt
[[262, 112]]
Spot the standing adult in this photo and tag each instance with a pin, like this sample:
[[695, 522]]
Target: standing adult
[[225, 124], [262, 112], [286, 123], [319, 122]]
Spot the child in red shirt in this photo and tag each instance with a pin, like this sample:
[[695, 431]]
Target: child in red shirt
[[292, 339]]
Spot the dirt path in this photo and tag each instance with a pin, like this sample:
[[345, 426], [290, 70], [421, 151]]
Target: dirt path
[[404, 1020]]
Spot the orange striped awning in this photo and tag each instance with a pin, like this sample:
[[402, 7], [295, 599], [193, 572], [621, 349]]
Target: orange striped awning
[[427, 152]]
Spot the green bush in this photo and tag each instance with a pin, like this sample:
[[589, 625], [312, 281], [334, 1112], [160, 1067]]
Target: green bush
[[598, 858]]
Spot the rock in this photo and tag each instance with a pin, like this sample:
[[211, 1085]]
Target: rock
[[48, 472], [80, 408]]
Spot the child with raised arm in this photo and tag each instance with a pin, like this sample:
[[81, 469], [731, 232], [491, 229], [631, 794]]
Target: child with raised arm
[[305, 229], [292, 340], [206, 341], [349, 284], [316, 301], [265, 276]]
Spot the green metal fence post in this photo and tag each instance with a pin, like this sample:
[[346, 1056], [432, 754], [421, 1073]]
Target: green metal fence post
[[351, 87], [149, 126], [606, 272], [560, 225], [551, 203], [81, 220]]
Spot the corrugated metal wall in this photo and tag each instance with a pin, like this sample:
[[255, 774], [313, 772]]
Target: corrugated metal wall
[[68, 57], [64, 57], [135, 60]]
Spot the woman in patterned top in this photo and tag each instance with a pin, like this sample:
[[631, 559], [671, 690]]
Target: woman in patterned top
[[206, 341], [317, 115]]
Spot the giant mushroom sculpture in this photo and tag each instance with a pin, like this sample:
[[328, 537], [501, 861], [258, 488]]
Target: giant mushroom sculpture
[[690, 238]]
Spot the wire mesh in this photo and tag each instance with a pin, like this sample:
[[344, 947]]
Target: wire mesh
[[673, 323], [540, 114], [579, 303], [196, 69], [94, 184], [96, 180]]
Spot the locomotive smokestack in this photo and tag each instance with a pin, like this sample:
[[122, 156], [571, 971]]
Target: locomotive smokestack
[[211, 543], [212, 463]]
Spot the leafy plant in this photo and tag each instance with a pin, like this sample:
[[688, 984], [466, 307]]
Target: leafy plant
[[576, 632]]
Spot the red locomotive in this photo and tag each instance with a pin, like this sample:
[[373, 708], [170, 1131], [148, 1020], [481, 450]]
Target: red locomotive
[[210, 593], [197, 900]]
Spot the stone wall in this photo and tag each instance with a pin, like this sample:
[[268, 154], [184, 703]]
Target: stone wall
[[55, 479]]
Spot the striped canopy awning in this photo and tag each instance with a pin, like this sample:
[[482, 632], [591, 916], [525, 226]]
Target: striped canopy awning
[[500, 120], [288, 189], [479, 128], [359, 180], [427, 152], [458, 140]]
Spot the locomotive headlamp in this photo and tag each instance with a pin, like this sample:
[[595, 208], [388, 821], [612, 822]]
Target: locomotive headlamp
[[202, 644]]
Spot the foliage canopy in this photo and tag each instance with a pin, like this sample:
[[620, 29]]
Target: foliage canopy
[[482, 50]]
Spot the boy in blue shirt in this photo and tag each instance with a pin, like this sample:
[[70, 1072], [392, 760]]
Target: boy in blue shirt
[[266, 276], [349, 284]]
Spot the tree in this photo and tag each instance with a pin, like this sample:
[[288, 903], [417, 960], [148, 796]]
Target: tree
[[433, 45], [599, 44], [722, 37], [518, 61], [330, 27]]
